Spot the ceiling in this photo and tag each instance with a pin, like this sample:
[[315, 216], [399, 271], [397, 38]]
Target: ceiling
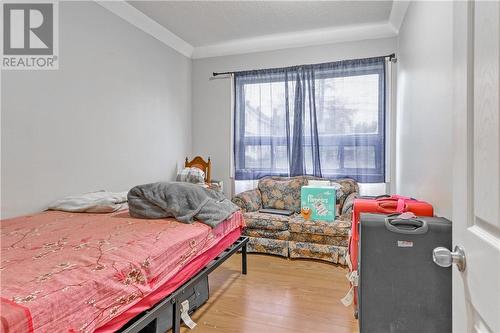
[[203, 23]]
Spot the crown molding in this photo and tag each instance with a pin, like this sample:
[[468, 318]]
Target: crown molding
[[398, 12], [296, 39], [137, 18], [261, 43]]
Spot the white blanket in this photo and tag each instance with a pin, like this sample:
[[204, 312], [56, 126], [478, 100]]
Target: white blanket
[[93, 202]]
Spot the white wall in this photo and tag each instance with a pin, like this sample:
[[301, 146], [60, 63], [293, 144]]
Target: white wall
[[117, 113], [424, 125], [212, 98]]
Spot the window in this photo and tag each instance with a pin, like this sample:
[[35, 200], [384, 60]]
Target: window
[[324, 120]]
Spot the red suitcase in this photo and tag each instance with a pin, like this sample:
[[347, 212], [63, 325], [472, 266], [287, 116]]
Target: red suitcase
[[384, 205]]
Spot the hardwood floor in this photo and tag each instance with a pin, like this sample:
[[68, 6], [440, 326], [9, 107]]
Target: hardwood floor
[[278, 295]]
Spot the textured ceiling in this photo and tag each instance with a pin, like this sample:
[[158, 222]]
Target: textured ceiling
[[208, 22]]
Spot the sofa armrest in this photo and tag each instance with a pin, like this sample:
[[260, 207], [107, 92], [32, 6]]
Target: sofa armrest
[[350, 189], [248, 201], [348, 204]]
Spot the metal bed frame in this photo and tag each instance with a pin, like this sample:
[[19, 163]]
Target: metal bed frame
[[148, 316]]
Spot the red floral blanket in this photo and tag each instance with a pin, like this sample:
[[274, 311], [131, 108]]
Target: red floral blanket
[[73, 272]]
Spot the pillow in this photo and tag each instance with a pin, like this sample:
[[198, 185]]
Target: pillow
[[318, 183], [338, 190], [94, 202], [191, 175]]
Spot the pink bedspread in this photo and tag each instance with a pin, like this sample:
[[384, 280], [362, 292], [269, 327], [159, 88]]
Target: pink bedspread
[[74, 272]]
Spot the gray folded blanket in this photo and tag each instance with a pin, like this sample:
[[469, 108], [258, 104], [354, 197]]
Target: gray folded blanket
[[184, 201]]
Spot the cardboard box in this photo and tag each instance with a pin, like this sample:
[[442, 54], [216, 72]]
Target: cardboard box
[[318, 203]]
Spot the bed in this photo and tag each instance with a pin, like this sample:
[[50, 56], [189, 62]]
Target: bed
[[200, 163], [79, 272]]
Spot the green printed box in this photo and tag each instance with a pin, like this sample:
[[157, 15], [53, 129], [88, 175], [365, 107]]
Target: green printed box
[[318, 203]]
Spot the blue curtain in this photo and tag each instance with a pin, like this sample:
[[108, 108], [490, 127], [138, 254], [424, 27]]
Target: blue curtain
[[323, 120]]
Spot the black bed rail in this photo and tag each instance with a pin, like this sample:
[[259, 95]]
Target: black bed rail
[[147, 317]]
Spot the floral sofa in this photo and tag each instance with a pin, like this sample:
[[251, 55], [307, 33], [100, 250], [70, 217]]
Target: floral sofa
[[292, 236]]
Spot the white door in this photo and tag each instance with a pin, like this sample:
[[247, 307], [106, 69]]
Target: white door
[[476, 171]]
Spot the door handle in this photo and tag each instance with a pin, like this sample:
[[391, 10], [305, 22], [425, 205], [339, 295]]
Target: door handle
[[445, 258]]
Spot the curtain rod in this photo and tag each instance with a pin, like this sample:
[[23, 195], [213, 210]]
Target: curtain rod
[[392, 58]]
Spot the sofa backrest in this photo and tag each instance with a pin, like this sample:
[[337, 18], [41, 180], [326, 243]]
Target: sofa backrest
[[284, 192], [281, 192]]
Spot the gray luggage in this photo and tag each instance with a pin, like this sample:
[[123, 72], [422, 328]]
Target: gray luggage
[[197, 296], [400, 287]]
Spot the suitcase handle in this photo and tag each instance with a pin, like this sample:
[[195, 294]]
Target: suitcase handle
[[410, 226], [393, 197], [392, 206]]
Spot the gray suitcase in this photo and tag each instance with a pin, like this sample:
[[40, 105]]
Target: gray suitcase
[[197, 296], [400, 287]]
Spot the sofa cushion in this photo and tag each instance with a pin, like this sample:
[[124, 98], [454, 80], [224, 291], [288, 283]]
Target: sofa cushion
[[331, 253], [263, 233], [256, 220], [339, 227], [319, 239], [281, 193], [268, 246]]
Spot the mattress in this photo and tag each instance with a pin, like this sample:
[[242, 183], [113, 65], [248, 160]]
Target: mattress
[[77, 272]]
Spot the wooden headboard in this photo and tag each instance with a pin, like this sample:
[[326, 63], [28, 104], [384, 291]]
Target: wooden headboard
[[199, 162]]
